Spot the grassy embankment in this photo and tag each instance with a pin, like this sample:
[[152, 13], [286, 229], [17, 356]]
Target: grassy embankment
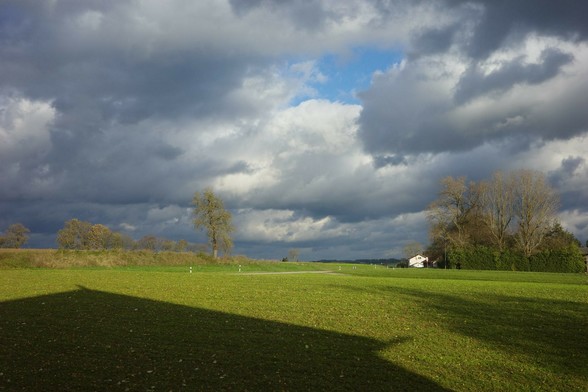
[[52, 258], [162, 328]]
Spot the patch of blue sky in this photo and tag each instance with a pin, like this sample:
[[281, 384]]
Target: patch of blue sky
[[344, 75]]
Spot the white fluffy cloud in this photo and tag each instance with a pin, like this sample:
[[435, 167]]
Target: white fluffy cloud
[[24, 128], [24, 141]]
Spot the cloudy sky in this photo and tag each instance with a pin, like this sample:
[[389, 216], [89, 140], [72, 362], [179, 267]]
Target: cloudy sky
[[325, 125]]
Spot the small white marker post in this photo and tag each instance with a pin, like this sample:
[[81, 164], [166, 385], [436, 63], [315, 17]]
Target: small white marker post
[[190, 269], [239, 267]]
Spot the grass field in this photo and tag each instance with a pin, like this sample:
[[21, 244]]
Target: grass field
[[165, 329]]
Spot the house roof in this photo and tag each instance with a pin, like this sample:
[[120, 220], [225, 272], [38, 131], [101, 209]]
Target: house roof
[[418, 257]]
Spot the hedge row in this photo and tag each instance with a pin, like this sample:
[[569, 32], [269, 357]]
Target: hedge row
[[568, 259]]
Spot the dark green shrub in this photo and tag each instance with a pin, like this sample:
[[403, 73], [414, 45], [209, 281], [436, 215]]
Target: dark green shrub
[[456, 256], [566, 259], [476, 257], [402, 264], [519, 262], [504, 260]]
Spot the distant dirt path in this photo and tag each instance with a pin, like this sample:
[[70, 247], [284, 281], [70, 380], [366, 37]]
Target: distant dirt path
[[287, 273]]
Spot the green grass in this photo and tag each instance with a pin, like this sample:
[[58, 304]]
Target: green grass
[[162, 328]]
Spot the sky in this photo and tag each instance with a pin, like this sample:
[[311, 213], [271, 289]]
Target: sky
[[324, 125]]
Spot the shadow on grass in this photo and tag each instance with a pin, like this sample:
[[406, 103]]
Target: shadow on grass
[[549, 333], [92, 340]]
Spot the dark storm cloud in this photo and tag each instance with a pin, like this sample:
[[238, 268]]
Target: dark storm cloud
[[500, 19], [103, 83], [54, 52], [305, 14], [433, 41], [475, 83], [568, 169], [389, 160], [569, 182]]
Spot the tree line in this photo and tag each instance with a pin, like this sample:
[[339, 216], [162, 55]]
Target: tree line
[[81, 235], [506, 222], [209, 214]]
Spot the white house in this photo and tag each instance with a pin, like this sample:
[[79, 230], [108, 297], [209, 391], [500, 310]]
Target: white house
[[418, 261]]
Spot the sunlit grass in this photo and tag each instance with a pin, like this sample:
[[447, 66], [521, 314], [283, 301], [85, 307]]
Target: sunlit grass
[[397, 329]]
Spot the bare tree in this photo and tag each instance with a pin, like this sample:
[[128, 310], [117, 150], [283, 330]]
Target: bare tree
[[454, 208], [210, 214], [293, 254], [536, 207], [498, 206]]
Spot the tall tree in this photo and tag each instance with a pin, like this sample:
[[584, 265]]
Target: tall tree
[[498, 206], [74, 235], [453, 210], [293, 254], [211, 215], [98, 237], [15, 236], [115, 241], [536, 207]]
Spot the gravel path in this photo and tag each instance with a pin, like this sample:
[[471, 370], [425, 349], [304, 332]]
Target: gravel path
[[287, 273]]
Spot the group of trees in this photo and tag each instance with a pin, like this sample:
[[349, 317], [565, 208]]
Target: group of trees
[[512, 213], [209, 214], [15, 236], [81, 235]]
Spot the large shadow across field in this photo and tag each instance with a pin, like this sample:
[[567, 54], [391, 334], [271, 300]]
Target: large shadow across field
[[90, 340]]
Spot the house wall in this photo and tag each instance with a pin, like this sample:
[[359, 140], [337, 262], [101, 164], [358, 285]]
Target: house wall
[[417, 261]]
